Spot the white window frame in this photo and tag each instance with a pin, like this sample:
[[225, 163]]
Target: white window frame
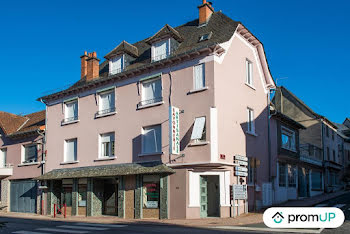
[[106, 92], [158, 144], [111, 145], [66, 153], [155, 45], [75, 117], [250, 121], [290, 133], [195, 85], [3, 158], [23, 153], [143, 92], [249, 72], [113, 60]]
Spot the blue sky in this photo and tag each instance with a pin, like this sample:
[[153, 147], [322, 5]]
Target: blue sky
[[306, 42]]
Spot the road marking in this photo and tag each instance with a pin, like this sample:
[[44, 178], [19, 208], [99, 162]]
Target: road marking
[[83, 228], [29, 232], [102, 225], [321, 205], [339, 205], [60, 230], [269, 229]]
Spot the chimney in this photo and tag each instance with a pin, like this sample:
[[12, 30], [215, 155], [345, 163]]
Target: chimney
[[205, 11], [83, 65], [93, 66]]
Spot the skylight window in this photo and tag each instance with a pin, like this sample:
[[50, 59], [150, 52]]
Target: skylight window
[[205, 37]]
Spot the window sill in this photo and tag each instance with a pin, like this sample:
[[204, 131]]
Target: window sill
[[28, 164], [70, 122], [197, 90], [292, 150], [199, 143], [105, 159], [317, 190], [251, 133], [105, 115], [150, 154], [71, 162], [150, 105], [250, 86]]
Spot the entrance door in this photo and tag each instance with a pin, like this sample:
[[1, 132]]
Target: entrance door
[[110, 199], [203, 188], [303, 183]]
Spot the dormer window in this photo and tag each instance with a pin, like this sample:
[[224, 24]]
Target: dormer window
[[160, 50], [116, 65], [205, 37]]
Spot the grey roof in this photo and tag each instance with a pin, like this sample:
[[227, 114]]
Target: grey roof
[[167, 30], [107, 170], [221, 26], [123, 47]]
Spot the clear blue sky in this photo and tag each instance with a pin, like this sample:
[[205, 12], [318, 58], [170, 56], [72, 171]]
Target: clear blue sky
[[306, 41]]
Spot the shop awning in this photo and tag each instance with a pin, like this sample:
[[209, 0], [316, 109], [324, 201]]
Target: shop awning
[[107, 170]]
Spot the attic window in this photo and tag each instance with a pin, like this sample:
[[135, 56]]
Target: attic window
[[205, 37]]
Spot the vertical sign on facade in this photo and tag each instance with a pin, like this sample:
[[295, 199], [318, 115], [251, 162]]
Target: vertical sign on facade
[[174, 130]]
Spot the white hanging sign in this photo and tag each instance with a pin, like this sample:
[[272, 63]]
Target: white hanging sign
[[174, 130]]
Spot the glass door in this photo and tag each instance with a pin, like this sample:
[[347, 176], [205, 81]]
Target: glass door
[[203, 196]]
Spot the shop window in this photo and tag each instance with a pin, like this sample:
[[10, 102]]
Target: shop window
[[150, 192], [82, 195]]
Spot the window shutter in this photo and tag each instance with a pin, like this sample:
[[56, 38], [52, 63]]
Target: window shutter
[[198, 128]]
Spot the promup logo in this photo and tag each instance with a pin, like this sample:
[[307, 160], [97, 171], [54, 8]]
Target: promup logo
[[307, 217], [278, 217]]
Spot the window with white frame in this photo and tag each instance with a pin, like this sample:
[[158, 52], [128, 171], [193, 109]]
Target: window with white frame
[[116, 65], [288, 139], [151, 91], [70, 148], [316, 180], [199, 130], [251, 121], [3, 155], [160, 50], [249, 72], [199, 77], [30, 153], [106, 102], [282, 177], [292, 176], [152, 139], [71, 111], [107, 144]]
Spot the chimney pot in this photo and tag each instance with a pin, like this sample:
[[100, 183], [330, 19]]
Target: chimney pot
[[83, 70], [93, 66], [205, 11]]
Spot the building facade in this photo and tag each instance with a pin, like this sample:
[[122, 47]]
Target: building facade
[[110, 145]]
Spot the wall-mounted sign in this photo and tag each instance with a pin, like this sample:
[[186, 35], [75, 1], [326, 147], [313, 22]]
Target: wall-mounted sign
[[240, 173], [242, 163], [222, 156], [239, 192], [174, 130], [241, 158], [152, 204], [244, 169]]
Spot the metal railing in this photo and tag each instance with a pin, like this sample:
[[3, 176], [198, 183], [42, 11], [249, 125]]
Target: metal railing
[[3, 166], [163, 56], [70, 119], [311, 151], [115, 71], [106, 111], [150, 101]]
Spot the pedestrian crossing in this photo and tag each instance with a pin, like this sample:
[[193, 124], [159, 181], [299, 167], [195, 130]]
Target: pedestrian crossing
[[74, 228]]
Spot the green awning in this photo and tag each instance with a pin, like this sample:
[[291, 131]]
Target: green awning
[[107, 170]]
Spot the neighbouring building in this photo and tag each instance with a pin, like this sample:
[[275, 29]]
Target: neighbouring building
[[21, 152], [107, 136]]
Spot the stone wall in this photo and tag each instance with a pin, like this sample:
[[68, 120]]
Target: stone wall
[[5, 184], [163, 212]]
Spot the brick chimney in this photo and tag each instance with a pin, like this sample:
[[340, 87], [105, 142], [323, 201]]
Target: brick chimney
[[93, 66], [83, 59], [205, 11]]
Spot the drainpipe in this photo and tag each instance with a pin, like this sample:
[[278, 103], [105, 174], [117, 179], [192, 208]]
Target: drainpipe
[[43, 156]]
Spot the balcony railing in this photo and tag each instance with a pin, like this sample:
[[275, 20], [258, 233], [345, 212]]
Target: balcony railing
[[150, 101], [70, 119], [311, 153], [163, 56], [6, 166], [6, 170], [105, 112], [115, 71]]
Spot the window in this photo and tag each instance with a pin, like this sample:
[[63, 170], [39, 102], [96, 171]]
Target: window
[[150, 190], [205, 37], [106, 102], [316, 180], [282, 175], [30, 154], [251, 171], [71, 111], [328, 154], [199, 77], [249, 72], [151, 91], [107, 145], [70, 150], [67, 185], [292, 176], [332, 135], [82, 193], [250, 123], [116, 65], [288, 139], [327, 131], [152, 139], [160, 50], [199, 130], [334, 155], [3, 155]]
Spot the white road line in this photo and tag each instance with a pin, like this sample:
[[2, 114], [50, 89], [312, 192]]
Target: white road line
[[321, 205], [29, 232], [83, 228], [269, 229], [339, 205], [102, 225], [60, 230]]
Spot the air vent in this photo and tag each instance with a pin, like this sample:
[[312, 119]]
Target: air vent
[[205, 37]]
